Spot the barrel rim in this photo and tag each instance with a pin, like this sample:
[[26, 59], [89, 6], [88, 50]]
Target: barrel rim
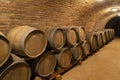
[[84, 42], [84, 32], [91, 41], [14, 64], [104, 38], [67, 40], [107, 35], [73, 50], [110, 34], [51, 35], [59, 55], [99, 35], [9, 45], [23, 42], [39, 60]]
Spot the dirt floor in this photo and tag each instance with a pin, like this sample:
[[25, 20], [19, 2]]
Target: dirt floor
[[103, 65]]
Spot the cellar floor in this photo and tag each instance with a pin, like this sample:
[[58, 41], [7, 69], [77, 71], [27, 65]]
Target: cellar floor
[[103, 65]]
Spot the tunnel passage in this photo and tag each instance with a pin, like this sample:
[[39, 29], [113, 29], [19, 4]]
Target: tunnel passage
[[114, 23]]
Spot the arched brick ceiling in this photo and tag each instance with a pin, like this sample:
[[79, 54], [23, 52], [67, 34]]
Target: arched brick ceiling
[[44, 14]]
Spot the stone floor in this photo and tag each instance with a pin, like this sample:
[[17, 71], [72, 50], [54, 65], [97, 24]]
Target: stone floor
[[103, 65]]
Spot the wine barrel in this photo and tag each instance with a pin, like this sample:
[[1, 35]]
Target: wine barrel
[[113, 33], [56, 38], [27, 41], [86, 47], [104, 37], [37, 78], [92, 39], [109, 32], [99, 39], [107, 35], [64, 57], [5, 49], [44, 65], [15, 69], [81, 33], [71, 36], [77, 51]]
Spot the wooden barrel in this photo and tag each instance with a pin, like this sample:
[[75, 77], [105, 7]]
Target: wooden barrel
[[110, 35], [99, 39], [86, 47], [113, 33], [107, 35], [15, 69], [5, 49], [37, 78], [64, 57], [81, 33], [71, 36], [58, 77], [77, 51], [27, 41], [92, 39], [44, 65], [104, 37], [56, 38]]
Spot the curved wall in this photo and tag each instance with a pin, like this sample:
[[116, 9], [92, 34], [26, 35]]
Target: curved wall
[[44, 14]]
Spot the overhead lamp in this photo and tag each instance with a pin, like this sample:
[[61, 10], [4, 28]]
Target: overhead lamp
[[114, 9], [100, 0]]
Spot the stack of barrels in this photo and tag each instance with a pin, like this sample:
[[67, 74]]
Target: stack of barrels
[[11, 66], [25, 42], [98, 39], [27, 53]]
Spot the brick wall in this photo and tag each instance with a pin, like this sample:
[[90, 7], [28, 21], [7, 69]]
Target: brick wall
[[44, 14]]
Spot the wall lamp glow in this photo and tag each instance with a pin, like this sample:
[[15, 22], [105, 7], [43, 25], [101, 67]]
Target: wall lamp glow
[[114, 9], [118, 14]]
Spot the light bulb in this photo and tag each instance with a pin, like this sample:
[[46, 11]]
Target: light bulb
[[114, 9]]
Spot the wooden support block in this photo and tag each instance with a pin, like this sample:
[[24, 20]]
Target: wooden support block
[[58, 77]]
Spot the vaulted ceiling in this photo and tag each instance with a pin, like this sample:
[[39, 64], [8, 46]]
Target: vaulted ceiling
[[43, 14]]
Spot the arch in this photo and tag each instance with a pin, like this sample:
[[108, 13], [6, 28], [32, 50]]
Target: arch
[[114, 23]]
